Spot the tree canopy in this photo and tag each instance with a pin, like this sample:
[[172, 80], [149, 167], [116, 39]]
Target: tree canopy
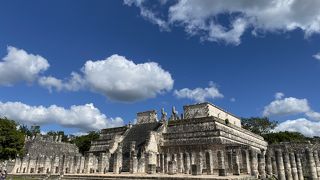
[[265, 128], [11, 139], [258, 125], [84, 142], [285, 136]]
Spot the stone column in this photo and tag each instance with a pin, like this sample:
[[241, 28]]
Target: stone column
[[269, 164], [274, 166], [294, 167], [82, 164], [180, 163], [77, 164], [235, 162], [151, 162], [117, 165], [161, 163], [209, 162], [158, 162], [262, 164], [287, 166], [246, 161], [229, 160], [133, 166], [175, 157], [199, 162], [172, 168], [311, 165], [107, 165], [221, 164], [47, 164], [193, 157], [86, 163], [61, 164], [103, 163], [142, 163], [37, 163], [100, 168], [71, 165], [187, 161], [299, 167], [279, 159], [133, 163], [316, 159], [166, 162], [254, 163]]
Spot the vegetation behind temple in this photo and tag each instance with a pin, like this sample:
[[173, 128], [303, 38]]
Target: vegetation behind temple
[[12, 135], [265, 128], [11, 139]]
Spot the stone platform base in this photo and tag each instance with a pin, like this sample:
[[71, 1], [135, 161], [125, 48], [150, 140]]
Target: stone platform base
[[154, 176], [111, 176]]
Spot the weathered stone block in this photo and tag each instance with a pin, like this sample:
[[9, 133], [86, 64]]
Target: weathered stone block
[[172, 167], [151, 169], [195, 169]]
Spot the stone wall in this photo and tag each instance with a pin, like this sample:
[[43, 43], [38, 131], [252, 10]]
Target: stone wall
[[206, 110], [47, 155]]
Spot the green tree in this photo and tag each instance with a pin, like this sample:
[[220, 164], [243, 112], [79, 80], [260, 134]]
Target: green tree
[[285, 136], [258, 125], [11, 139], [84, 142], [25, 130], [35, 129]]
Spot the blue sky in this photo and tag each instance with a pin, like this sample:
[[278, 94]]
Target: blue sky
[[239, 67]]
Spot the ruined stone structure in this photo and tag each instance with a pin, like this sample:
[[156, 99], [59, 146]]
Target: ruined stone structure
[[204, 140], [45, 155]]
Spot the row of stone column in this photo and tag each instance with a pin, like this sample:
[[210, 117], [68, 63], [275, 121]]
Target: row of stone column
[[286, 165], [193, 162], [53, 165]]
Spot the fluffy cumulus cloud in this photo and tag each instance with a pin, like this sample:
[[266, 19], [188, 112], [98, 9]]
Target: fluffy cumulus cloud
[[117, 78], [227, 21], [85, 117], [199, 94], [308, 125], [290, 106], [302, 125], [74, 83], [286, 106], [18, 66], [121, 79]]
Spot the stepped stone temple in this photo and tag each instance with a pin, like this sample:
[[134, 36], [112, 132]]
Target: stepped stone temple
[[205, 140]]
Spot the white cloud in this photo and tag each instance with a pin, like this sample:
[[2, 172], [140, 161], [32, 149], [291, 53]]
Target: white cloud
[[317, 56], [117, 78], [199, 94], [302, 125], [121, 79], [313, 115], [279, 95], [148, 14], [74, 83], [233, 99], [204, 17], [18, 66], [85, 117], [286, 106]]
